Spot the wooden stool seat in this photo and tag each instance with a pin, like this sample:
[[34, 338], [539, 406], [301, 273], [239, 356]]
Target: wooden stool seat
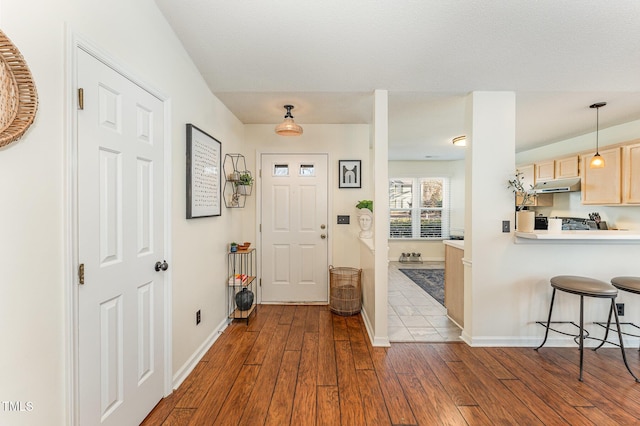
[[630, 284]]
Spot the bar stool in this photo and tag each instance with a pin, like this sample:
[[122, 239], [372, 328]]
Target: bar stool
[[583, 286], [630, 284]]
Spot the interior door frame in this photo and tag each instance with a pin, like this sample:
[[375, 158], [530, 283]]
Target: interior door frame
[[258, 188], [75, 42]]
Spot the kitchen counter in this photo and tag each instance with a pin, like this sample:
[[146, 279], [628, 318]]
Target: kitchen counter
[[584, 237], [454, 243]]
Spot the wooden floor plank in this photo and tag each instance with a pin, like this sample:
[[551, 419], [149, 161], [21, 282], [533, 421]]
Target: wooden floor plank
[[212, 399], [375, 411], [234, 404], [340, 331], [260, 347], [328, 406], [475, 416], [221, 364], [296, 333], [460, 395], [179, 417], [540, 388], [327, 374], [282, 401], [359, 344], [351, 411], [267, 372], [304, 402], [257, 405], [397, 405], [423, 409], [489, 390]]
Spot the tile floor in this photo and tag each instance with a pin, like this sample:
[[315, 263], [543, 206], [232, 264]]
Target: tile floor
[[415, 316]]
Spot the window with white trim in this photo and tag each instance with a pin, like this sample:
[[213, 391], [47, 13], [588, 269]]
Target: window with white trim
[[419, 208]]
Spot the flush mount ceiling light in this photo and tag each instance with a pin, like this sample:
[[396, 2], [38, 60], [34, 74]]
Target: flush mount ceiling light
[[460, 141], [288, 127], [597, 161]]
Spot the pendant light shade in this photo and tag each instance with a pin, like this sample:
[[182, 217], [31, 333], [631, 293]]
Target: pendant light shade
[[597, 161], [288, 127]]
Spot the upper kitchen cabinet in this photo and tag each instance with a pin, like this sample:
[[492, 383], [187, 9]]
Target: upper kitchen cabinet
[[567, 167], [604, 185], [631, 155], [545, 171], [529, 179]]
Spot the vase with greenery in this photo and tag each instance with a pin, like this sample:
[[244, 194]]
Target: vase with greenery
[[525, 219], [526, 196], [244, 183], [365, 204]]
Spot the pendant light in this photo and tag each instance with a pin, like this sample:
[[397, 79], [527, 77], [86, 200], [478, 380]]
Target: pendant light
[[288, 127], [597, 161]]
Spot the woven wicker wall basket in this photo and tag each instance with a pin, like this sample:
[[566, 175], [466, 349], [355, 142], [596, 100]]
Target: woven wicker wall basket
[[18, 97]]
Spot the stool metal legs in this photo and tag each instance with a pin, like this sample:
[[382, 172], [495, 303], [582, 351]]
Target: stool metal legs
[[546, 333], [614, 311], [581, 341]]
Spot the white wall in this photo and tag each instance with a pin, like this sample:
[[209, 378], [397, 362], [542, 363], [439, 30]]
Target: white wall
[[342, 142], [454, 170], [33, 238]]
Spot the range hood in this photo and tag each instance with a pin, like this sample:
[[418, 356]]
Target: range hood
[[557, 185]]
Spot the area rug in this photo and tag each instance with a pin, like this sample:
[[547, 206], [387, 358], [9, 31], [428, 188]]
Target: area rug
[[430, 280]]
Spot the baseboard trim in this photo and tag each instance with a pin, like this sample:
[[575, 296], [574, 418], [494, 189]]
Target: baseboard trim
[[534, 342], [194, 359], [375, 341]]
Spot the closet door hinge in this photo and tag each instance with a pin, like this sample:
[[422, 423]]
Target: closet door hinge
[[80, 98]]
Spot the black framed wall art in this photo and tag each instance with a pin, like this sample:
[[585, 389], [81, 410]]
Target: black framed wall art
[[349, 174], [203, 174]]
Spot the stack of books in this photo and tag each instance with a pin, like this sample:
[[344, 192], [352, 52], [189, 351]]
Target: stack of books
[[238, 279]]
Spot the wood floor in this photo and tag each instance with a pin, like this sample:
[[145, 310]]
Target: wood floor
[[302, 365]]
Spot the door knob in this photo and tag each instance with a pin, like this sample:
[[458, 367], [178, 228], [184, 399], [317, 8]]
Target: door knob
[[323, 236], [323, 226], [162, 265]]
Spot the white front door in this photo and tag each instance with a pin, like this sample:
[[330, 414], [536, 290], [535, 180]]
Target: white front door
[[294, 228], [120, 238]]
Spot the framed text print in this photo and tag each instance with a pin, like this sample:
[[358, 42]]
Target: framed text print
[[349, 174], [203, 174]]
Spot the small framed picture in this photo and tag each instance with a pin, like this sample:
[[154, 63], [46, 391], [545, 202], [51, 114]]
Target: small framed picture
[[349, 174]]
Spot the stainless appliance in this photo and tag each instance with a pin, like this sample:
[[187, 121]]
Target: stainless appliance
[[557, 185]]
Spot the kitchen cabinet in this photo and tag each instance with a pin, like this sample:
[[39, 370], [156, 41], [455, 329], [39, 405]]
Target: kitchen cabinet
[[528, 179], [604, 185], [567, 167], [454, 283], [631, 166], [545, 171]]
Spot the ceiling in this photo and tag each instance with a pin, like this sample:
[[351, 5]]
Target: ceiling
[[326, 58]]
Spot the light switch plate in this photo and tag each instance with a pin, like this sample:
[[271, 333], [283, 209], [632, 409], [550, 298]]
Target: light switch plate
[[506, 226], [343, 219]]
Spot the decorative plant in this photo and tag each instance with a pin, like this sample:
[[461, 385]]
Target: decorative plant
[[365, 204], [517, 186], [245, 179]]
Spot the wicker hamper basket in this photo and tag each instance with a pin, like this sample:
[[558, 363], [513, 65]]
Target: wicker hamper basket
[[345, 290]]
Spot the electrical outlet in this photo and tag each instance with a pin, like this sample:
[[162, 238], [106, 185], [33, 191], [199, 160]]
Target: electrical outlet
[[198, 318], [620, 308], [506, 226]]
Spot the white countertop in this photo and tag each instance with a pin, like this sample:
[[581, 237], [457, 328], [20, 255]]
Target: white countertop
[[598, 236], [454, 243]]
